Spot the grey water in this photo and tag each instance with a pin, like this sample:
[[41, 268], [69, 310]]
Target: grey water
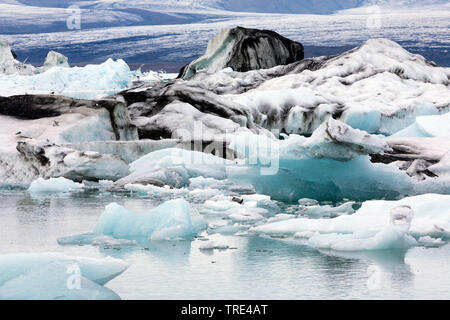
[[254, 267]]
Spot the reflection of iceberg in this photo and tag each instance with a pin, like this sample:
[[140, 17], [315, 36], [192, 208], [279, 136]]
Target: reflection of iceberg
[[56, 276]]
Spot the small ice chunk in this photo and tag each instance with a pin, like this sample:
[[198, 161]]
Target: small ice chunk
[[429, 241], [53, 185]]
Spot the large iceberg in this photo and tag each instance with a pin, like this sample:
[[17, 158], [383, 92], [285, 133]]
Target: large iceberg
[[52, 276], [329, 165], [378, 87], [170, 221], [243, 49]]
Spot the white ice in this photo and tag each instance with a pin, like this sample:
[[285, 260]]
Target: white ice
[[53, 185], [378, 224], [427, 126]]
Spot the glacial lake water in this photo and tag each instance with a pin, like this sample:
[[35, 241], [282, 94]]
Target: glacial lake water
[[255, 267]]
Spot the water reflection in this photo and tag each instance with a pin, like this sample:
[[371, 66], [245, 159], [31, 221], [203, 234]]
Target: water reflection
[[385, 269], [166, 251]]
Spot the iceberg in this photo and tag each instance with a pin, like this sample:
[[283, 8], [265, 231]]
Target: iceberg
[[243, 49], [170, 221], [46, 276], [174, 167], [378, 87], [55, 59], [89, 82], [53, 185], [328, 166], [377, 225]]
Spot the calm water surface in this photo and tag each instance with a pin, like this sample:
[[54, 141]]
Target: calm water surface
[[256, 268]]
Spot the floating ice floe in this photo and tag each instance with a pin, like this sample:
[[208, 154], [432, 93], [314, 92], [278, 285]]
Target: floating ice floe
[[170, 221], [54, 185], [53, 276], [376, 225]]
